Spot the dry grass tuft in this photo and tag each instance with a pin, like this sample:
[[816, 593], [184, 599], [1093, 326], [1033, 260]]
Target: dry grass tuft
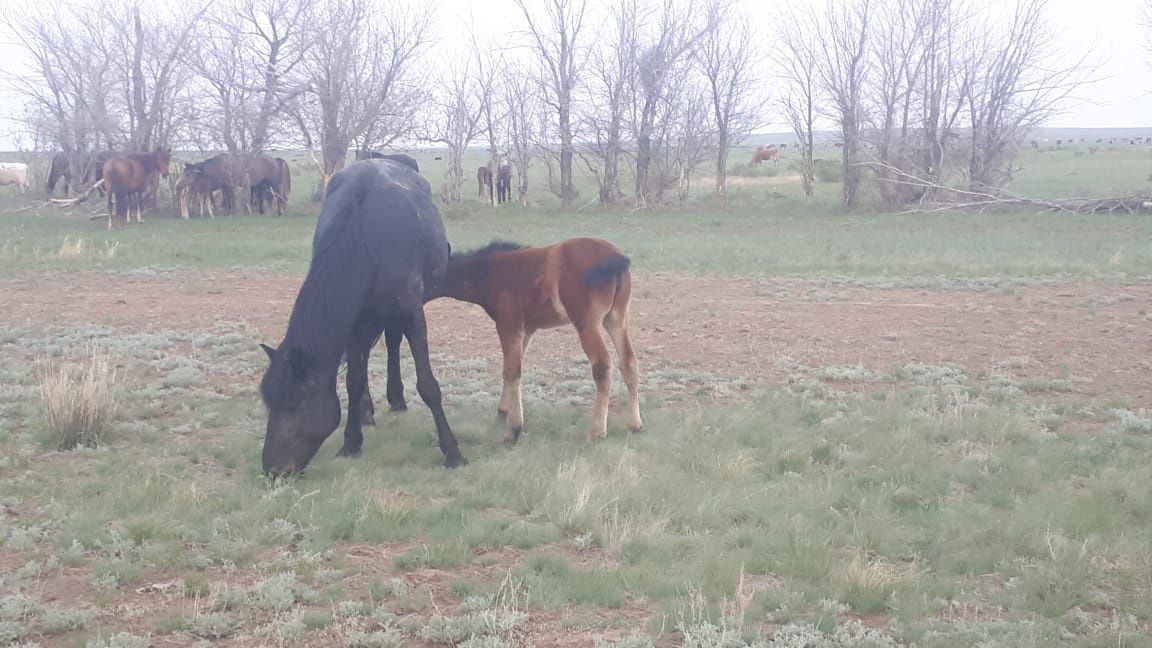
[[78, 399]]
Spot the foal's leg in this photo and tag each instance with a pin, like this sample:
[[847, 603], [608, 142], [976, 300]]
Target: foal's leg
[[512, 342], [364, 334], [429, 388], [592, 340], [395, 387], [617, 328]]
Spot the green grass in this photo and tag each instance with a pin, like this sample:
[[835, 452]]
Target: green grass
[[866, 502], [958, 505], [768, 230]]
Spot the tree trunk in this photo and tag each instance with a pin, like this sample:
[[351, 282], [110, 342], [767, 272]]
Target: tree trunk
[[139, 102], [566, 190], [722, 164]]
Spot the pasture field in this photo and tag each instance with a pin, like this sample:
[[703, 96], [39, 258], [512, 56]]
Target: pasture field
[[862, 429]]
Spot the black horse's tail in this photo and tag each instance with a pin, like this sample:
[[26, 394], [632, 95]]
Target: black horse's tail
[[607, 270]]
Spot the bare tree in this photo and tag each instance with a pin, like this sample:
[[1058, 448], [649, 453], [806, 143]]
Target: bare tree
[[726, 57], [454, 121], [489, 61], [276, 35], [522, 105], [796, 60], [555, 35], [679, 26], [357, 72], [150, 50], [611, 79], [842, 39], [1014, 88], [72, 88]]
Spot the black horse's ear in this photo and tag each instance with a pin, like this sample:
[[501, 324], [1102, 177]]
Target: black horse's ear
[[269, 350]]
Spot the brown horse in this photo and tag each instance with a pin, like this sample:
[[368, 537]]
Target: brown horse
[[765, 153], [582, 281], [484, 180], [127, 177]]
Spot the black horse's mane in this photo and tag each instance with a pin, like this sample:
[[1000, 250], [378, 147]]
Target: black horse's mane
[[491, 248], [329, 298]]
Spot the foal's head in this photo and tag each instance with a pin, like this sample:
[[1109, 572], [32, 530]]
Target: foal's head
[[468, 272]]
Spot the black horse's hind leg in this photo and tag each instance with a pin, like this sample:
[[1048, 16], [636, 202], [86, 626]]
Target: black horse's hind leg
[[429, 388], [393, 336], [360, 343]]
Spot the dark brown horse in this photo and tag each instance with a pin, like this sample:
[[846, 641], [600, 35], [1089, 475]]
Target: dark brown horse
[[484, 181], [765, 153], [274, 190], [127, 177], [581, 281], [504, 183], [76, 169]]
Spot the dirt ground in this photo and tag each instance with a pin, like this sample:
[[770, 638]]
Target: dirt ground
[[1092, 336]]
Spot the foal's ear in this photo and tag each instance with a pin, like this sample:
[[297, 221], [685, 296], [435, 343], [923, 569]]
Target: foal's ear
[[269, 350]]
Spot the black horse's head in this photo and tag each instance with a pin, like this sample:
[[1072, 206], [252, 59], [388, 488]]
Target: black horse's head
[[303, 410]]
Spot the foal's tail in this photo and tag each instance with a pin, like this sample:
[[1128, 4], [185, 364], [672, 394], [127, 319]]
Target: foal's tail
[[609, 269]]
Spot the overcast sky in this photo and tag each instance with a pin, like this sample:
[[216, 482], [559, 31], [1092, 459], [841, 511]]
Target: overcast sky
[[1109, 31]]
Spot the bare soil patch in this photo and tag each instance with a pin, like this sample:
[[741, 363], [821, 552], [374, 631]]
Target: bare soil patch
[[1093, 336]]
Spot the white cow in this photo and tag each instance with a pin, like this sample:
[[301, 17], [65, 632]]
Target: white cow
[[14, 173]]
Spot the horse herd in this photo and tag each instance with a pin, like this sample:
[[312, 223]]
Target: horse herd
[[503, 182], [379, 253], [126, 178]]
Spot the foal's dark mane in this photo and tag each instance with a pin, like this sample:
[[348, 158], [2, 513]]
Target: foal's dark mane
[[491, 248]]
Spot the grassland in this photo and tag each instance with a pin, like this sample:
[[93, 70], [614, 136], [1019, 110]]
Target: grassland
[[845, 506]]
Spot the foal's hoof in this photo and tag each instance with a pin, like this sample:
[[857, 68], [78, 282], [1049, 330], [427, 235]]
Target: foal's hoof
[[501, 414], [455, 461], [635, 429], [398, 407], [512, 435], [349, 453]]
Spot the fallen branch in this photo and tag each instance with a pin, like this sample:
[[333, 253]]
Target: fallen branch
[[72, 202], [982, 201]]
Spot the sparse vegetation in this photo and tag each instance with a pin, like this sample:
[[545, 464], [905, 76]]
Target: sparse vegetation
[[953, 503], [78, 399]]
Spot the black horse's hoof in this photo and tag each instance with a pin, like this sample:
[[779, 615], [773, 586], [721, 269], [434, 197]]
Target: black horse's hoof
[[349, 453], [368, 419], [455, 461], [398, 407]]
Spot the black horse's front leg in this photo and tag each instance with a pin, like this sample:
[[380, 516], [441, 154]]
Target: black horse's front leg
[[359, 346]]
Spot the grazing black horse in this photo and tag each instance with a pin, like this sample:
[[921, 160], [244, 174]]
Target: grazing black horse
[[378, 251], [402, 158]]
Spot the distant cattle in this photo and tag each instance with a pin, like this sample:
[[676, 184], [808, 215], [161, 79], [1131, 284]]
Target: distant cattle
[[765, 153], [14, 173]]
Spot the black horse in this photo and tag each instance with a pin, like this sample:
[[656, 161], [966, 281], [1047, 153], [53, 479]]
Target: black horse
[[378, 254], [402, 158]]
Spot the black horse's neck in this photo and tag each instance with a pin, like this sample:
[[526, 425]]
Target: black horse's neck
[[326, 308]]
